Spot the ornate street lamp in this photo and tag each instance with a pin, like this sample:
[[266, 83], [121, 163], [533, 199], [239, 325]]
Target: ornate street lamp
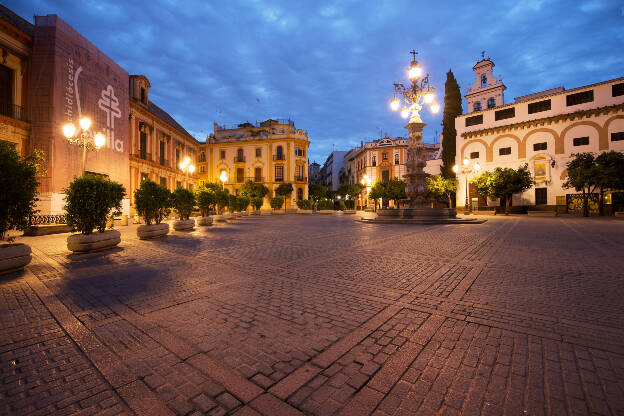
[[364, 184], [84, 137], [467, 169], [187, 166], [223, 178], [414, 96]]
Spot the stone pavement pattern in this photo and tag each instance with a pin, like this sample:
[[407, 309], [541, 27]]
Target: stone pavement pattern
[[322, 315]]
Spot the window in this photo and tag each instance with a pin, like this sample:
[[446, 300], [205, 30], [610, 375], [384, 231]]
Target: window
[[299, 173], [258, 175], [616, 137], [177, 156], [279, 173], [541, 196], [144, 176], [384, 156], [161, 157], [504, 151], [202, 157], [189, 186], [143, 145], [299, 193], [539, 106], [163, 181], [396, 158], [476, 106], [240, 175], [258, 152], [385, 175], [483, 80], [240, 156], [474, 155], [540, 146], [474, 120], [374, 160], [506, 113], [178, 184], [6, 89], [143, 97], [581, 141], [580, 98], [617, 89], [491, 102], [279, 153], [222, 154], [202, 169]]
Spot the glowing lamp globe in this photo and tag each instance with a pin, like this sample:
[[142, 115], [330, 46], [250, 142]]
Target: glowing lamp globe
[[85, 123], [182, 165], [466, 161], [405, 112], [477, 166], [414, 72], [191, 168], [435, 108], [429, 97], [455, 168], [69, 130], [99, 140], [187, 160], [395, 104]]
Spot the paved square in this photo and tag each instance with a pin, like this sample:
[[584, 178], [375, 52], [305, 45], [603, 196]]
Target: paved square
[[322, 315]]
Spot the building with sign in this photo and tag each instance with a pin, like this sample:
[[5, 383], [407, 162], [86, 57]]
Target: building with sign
[[270, 152], [542, 130]]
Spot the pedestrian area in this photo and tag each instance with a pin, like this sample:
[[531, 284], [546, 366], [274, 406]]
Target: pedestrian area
[[322, 315]]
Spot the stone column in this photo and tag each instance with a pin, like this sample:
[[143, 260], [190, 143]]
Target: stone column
[[416, 189]]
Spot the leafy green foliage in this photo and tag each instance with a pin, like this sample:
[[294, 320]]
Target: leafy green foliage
[[251, 190], [439, 186], [349, 203], [222, 198], [206, 200], [242, 202], [284, 190], [378, 191], [452, 109], [232, 203], [256, 202], [316, 192], [90, 200], [348, 191], [153, 202], [326, 204], [277, 202], [183, 202], [304, 204], [503, 183], [18, 187], [395, 190]]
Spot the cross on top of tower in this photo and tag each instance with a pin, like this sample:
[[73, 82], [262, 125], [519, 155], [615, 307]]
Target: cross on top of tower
[[414, 53], [482, 54]]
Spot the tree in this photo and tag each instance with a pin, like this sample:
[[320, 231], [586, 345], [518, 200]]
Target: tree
[[583, 177], [452, 109], [183, 202], [206, 200], [221, 199], [316, 192], [152, 201], [378, 191], [90, 200], [256, 202], [284, 190], [439, 186], [503, 183], [253, 190], [18, 185], [610, 174], [395, 190], [277, 202]]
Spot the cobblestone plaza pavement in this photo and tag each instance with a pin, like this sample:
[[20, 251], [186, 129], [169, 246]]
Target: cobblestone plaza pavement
[[322, 315]]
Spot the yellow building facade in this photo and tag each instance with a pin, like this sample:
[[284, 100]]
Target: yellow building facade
[[271, 152]]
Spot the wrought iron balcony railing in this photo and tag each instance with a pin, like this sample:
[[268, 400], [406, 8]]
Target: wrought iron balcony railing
[[239, 159], [300, 179], [143, 155], [279, 157], [13, 111]]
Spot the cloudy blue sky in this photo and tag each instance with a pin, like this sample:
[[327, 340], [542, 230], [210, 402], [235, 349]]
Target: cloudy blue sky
[[330, 65]]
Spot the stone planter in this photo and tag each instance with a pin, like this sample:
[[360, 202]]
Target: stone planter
[[278, 212], [619, 214], [326, 211], [348, 211], [304, 211], [13, 257], [152, 231], [256, 212], [245, 213], [202, 221], [238, 214], [82, 243], [218, 218], [184, 225]]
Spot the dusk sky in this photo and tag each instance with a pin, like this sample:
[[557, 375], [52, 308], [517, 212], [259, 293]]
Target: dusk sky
[[330, 66]]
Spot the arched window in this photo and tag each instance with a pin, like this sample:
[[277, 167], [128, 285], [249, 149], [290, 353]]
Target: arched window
[[483, 80], [299, 193], [476, 106], [491, 103]]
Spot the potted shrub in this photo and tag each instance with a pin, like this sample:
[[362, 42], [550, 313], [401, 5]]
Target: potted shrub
[[18, 185], [326, 206], [232, 204], [90, 200], [243, 204], [305, 206], [183, 203], [153, 203], [284, 190], [206, 200], [349, 206], [276, 204], [256, 203]]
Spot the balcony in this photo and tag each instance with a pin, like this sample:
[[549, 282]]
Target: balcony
[[163, 162], [256, 179], [143, 155], [279, 179], [240, 179], [279, 157], [239, 159], [300, 179], [13, 111]]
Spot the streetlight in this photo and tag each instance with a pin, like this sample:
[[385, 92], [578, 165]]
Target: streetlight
[[417, 93], [364, 183], [466, 169], [85, 137], [223, 178]]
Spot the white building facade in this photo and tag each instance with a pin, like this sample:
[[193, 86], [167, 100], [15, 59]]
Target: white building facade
[[542, 130]]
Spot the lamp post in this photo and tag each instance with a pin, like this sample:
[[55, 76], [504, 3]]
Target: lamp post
[[187, 166], [466, 169], [84, 137], [364, 183], [414, 95], [223, 178]]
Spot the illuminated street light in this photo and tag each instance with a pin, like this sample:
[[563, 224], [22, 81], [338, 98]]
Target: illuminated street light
[[466, 170], [85, 137]]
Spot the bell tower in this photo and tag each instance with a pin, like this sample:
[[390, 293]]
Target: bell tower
[[487, 91]]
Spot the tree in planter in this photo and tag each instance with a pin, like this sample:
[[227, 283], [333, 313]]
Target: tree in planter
[[18, 187], [583, 177], [326, 204], [221, 199], [316, 192], [378, 191], [349, 203], [277, 202], [439, 186], [183, 202], [610, 174], [243, 203], [152, 202], [206, 200], [395, 190], [232, 203], [250, 190], [256, 202], [304, 204], [504, 182], [284, 190], [90, 200]]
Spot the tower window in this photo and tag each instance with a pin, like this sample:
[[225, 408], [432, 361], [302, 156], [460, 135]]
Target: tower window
[[143, 97], [491, 103], [483, 80], [506, 113], [474, 120], [504, 151], [617, 89], [474, 155], [539, 106], [581, 141], [616, 137], [476, 106], [540, 146]]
